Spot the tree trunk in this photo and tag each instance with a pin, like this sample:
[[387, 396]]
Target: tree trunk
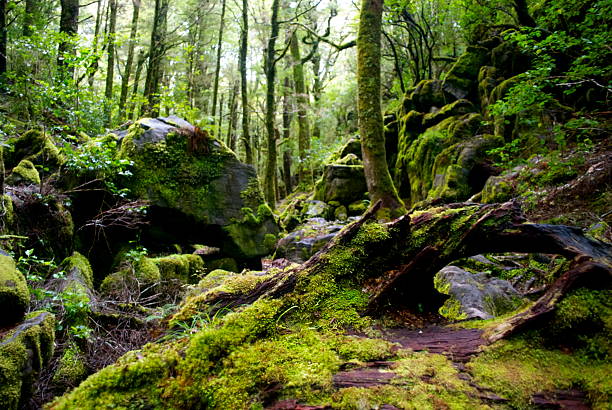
[[244, 33], [270, 70], [380, 185], [522, 13], [69, 26], [156, 54], [218, 66], [125, 81], [30, 17], [304, 175], [142, 57], [110, 69], [233, 117], [3, 41], [93, 67], [317, 89], [395, 263], [287, 114]]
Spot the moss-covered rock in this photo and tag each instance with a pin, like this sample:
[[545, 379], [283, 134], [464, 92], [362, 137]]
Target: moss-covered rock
[[7, 213], [24, 351], [427, 94], [497, 189], [71, 369], [14, 293], [488, 79], [24, 173], [358, 207], [35, 146], [459, 107], [199, 181], [460, 81], [340, 213], [188, 268], [342, 183], [77, 266]]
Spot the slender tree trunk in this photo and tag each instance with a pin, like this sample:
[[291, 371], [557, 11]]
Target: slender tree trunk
[[218, 66], [380, 185], [110, 69], [244, 34], [522, 12], [270, 70], [233, 116], [142, 57], [219, 134], [125, 81], [3, 41], [287, 114], [317, 89], [304, 174], [30, 16], [69, 25], [91, 70], [156, 54]]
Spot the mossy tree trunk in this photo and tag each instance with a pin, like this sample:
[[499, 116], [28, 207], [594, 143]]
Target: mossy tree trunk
[[287, 116], [156, 55], [244, 92], [3, 40], [218, 67], [110, 66], [378, 178], [69, 26], [232, 105], [142, 57], [299, 82], [395, 263], [125, 81], [31, 17], [270, 70], [522, 13]]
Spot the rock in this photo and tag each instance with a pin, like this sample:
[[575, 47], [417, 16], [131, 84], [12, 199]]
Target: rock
[[24, 352], [14, 293], [71, 369], [196, 184], [342, 183], [24, 173], [460, 81], [307, 239], [427, 94], [497, 189], [188, 268], [461, 170], [350, 159], [340, 213], [358, 207], [488, 79], [226, 264], [35, 146], [77, 268], [315, 209], [475, 295], [459, 107], [352, 146]]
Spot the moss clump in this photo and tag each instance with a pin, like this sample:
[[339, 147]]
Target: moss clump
[[188, 268], [24, 351], [35, 146], [24, 173], [518, 368], [460, 80], [14, 294], [7, 213], [71, 369], [78, 266], [227, 264]]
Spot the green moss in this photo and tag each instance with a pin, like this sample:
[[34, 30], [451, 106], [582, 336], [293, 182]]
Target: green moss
[[7, 213], [78, 266], [340, 213], [14, 294], [24, 352], [71, 368], [36, 147], [24, 173], [460, 81], [227, 264], [188, 268], [518, 368]]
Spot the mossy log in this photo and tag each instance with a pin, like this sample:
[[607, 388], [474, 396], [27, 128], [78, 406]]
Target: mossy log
[[396, 261]]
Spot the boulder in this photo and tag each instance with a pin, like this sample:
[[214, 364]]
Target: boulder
[[24, 173], [427, 94], [341, 183], [195, 186], [315, 209], [24, 352], [459, 107], [352, 146], [461, 79], [498, 189], [475, 295], [14, 293], [188, 268], [35, 146], [307, 239]]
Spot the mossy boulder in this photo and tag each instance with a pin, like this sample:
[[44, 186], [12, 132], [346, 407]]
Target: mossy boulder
[[194, 183], [24, 173], [358, 207], [24, 352], [341, 183], [488, 79], [307, 239], [508, 59], [475, 295], [7, 213], [427, 94], [462, 169], [188, 268], [77, 267], [497, 189], [352, 146], [71, 369], [460, 81], [35, 146], [226, 264], [459, 107], [14, 293]]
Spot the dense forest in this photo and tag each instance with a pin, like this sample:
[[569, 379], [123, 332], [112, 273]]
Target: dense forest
[[309, 204]]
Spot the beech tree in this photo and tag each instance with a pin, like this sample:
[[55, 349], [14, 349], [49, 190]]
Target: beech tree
[[378, 178]]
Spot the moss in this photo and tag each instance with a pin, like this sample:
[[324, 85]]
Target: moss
[[340, 213], [358, 207], [24, 352], [188, 268], [7, 213], [227, 264], [78, 266], [518, 368], [496, 189], [35, 146], [459, 107], [71, 369], [14, 294], [24, 173], [460, 81]]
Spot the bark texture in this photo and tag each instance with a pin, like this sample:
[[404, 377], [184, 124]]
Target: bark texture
[[378, 178], [156, 54], [125, 81], [244, 92], [218, 66], [69, 25], [110, 66], [301, 97], [3, 40]]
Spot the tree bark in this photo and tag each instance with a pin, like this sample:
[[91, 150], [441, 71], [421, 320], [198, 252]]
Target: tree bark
[[125, 81], [270, 70], [218, 66], [304, 176], [287, 115], [3, 41], [142, 57], [93, 67], [244, 97], [233, 117], [30, 17], [69, 26], [156, 55], [522, 13], [380, 185], [110, 68]]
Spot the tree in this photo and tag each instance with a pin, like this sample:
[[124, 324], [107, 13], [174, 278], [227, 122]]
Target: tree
[[125, 81], [69, 26], [218, 63], [302, 109], [380, 185], [244, 34], [110, 68], [3, 40], [156, 55], [30, 17]]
